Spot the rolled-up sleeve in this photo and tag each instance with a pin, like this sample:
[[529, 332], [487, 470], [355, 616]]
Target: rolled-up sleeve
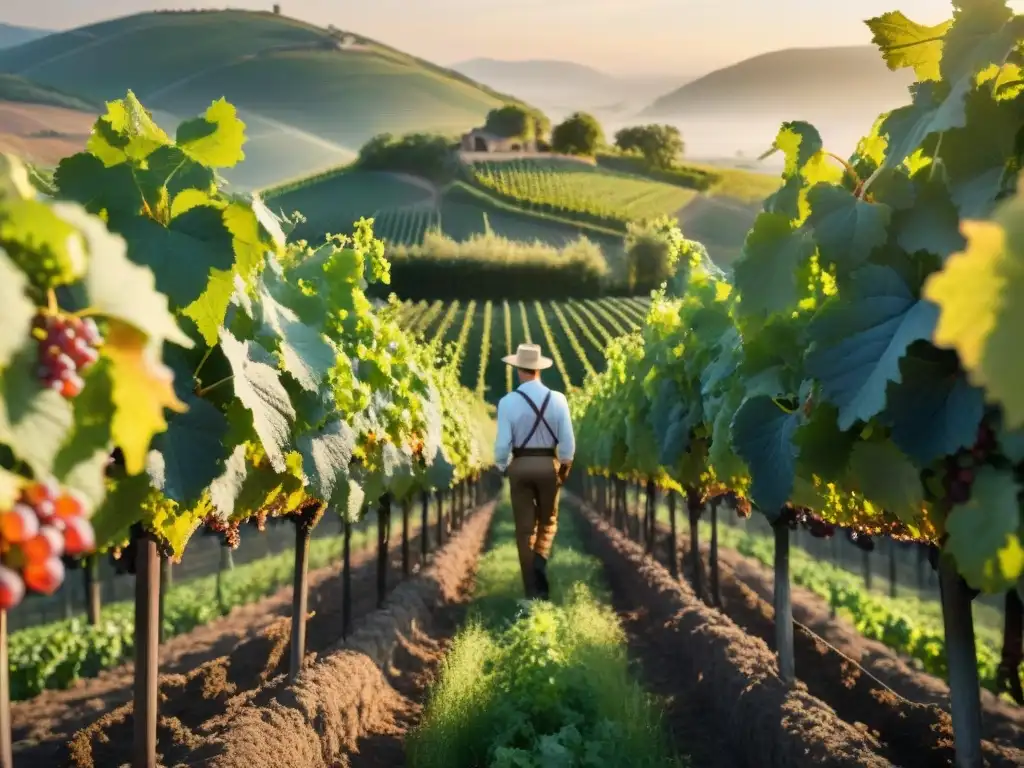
[[566, 438], [503, 442]]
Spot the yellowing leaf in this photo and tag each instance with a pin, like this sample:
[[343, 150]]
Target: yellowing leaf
[[142, 388], [126, 132], [216, 139], [905, 43], [980, 294]]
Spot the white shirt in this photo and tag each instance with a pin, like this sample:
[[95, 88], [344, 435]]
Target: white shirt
[[516, 418]]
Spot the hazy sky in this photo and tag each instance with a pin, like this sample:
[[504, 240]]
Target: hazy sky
[[619, 36]]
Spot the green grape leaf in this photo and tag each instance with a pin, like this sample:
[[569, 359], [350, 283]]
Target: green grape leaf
[[34, 420], [887, 478], [907, 44], [861, 338], [932, 224], [119, 289], [181, 255], [933, 410], [142, 388], [126, 133], [440, 471], [928, 113], [16, 311], [186, 458], [226, 489], [258, 386], [847, 229], [766, 272], [305, 352], [175, 525], [216, 138], [982, 34], [978, 293], [762, 435], [120, 510], [1011, 444], [326, 456], [985, 533], [81, 462], [824, 448], [208, 311], [84, 179], [401, 479], [350, 500], [251, 239], [44, 244]]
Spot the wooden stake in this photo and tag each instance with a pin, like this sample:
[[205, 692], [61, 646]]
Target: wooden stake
[[783, 604], [424, 528], [440, 519], [6, 743], [90, 574], [147, 649], [383, 543], [716, 587], [346, 581], [673, 556], [965, 699], [300, 598], [406, 565]]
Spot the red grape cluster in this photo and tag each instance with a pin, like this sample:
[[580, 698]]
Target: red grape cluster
[[818, 528], [232, 535], [43, 525], [67, 347], [960, 468]]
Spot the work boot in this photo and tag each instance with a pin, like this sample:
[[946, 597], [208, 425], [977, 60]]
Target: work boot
[[540, 575]]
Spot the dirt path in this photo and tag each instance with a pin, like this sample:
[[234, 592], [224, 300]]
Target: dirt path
[[246, 647]]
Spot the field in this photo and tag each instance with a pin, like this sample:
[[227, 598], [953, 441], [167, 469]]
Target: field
[[576, 332], [310, 96], [573, 188]]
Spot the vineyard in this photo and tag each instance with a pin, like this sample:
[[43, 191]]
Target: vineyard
[[575, 189], [575, 332], [793, 535]]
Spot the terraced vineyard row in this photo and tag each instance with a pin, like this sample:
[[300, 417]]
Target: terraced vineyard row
[[573, 333]]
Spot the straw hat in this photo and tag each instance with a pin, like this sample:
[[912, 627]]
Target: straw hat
[[528, 356]]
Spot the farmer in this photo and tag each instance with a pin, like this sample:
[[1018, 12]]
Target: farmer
[[534, 449]]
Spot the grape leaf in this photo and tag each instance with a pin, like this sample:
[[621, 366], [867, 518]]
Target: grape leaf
[[122, 507], [16, 311], [933, 410], [208, 311], [824, 449], [887, 478], [861, 338], [326, 455], [932, 223], [84, 179], [175, 524], [350, 500], [81, 462], [119, 289], [985, 533], [226, 489], [907, 44], [258, 386], [762, 435], [10, 488], [766, 272], [306, 354], [125, 133], [981, 312], [847, 229], [928, 113], [34, 421], [191, 453], [216, 138], [182, 254], [142, 388]]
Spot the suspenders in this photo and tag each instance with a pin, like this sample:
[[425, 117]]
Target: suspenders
[[539, 412]]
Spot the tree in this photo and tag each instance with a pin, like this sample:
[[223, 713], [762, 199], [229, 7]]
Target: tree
[[650, 253], [517, 121], [423, 154], [579, 134], [277, 9], [661, 145]]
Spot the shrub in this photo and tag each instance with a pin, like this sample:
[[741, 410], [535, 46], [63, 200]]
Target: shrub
[[650, 252], [515, 120], [424, 154], [578, 134], [489, 266], [660, 145]]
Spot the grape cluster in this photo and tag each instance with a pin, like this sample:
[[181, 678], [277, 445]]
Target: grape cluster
[[960, 468], [44, 525], [862, 541], [818, 528], [230, 531], [67, 347]]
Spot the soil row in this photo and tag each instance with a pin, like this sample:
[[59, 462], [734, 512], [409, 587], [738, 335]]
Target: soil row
[[728, 706], [224, 697]]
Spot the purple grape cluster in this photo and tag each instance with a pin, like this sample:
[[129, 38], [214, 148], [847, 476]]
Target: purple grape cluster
[[68, 345]]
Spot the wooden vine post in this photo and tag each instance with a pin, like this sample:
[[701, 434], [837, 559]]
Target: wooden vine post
[[304, 522], [165, 584], [346, 581], [6, 743], [783, 602], [716, 586], [147, 649], [383, 545], [90, 576], [424, 527], [673, 556], [961, 656], [865, 564], [693, 510], [651, 517], [406, 564], [225, 565], [440, 519], [892, 568]]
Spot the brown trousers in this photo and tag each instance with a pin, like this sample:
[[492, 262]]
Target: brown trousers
[[534, 487]]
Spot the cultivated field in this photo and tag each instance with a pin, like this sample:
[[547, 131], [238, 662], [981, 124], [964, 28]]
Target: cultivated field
[[574, 333]]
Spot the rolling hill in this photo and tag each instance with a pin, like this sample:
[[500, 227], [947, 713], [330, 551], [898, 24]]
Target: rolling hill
[[41, 123], [310, 96], [11, 35], [818, 80]]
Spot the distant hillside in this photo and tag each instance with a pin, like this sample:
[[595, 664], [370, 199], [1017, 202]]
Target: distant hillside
[[818, 81], [20, 89], [310, 96], [11, 35], [560, 87]]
